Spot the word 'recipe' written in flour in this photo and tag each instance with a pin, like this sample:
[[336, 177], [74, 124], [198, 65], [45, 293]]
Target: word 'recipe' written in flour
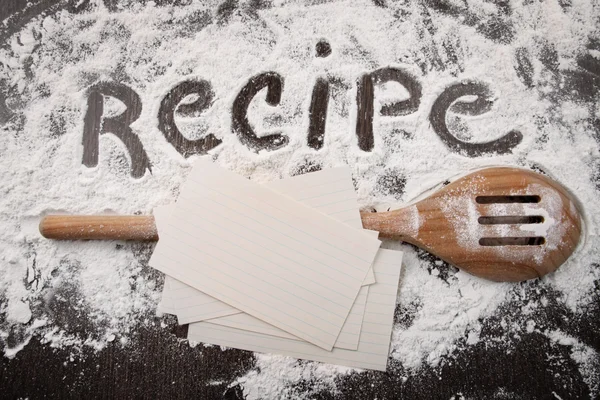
[[407, 94], [97, 123]]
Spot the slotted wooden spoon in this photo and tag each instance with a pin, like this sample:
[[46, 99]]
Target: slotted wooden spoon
[[503, 224]]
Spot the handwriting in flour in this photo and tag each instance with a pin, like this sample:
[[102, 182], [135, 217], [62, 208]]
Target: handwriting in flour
[[366, 95], [166, 121], [97, 123], [240, 124]]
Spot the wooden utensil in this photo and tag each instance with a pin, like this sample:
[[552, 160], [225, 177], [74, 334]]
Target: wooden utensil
[[503, 224]]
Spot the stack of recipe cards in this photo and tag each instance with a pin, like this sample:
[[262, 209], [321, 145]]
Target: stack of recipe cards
[[281, 268]]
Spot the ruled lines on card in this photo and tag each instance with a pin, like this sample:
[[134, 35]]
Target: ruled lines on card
[[264, 253], [348, 338], [181, 300], [328, 186], [191, 305], [374, 341], [330, 191]]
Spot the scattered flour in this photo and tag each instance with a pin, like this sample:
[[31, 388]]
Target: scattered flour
[[46, 68]]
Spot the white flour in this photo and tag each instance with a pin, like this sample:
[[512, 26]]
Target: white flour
[[53, 60]]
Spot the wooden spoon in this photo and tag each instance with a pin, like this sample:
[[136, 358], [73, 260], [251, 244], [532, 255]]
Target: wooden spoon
[[503, 224]]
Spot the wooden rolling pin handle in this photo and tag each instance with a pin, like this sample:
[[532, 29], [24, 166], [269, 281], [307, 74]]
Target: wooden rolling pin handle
[[99, 227]]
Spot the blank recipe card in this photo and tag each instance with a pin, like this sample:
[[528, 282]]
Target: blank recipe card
[[375, 335], [330, 191], [264, 253]]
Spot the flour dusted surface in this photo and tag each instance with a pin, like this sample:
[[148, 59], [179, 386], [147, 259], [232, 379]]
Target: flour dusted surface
[[530, 58]]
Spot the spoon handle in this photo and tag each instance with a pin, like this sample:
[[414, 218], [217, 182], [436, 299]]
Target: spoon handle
[[397, 224], [99, 227], [392, 224], [142, 227]]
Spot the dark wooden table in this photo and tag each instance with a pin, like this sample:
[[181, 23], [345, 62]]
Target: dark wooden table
[[160, 364]]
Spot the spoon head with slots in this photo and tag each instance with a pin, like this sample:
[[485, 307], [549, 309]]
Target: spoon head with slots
[[504, 224]]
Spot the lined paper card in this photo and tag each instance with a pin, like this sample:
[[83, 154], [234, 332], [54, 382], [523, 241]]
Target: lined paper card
[[329, 191], [264, 253], [374, 342], [187, 303], [191, 305], [348, 338], [349, 335]]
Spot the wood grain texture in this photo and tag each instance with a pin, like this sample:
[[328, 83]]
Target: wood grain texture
[[447, 225], [99, 227]]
